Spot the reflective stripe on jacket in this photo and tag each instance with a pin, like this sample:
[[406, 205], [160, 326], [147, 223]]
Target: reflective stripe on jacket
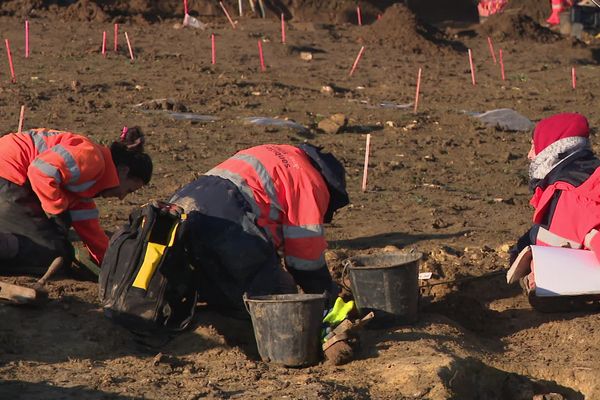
[[288, 196], [65, 170]]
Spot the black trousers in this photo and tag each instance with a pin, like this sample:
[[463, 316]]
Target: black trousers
[[39, 239], [231, 253]]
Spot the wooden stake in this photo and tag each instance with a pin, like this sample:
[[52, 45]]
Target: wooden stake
[[366, 167], [240, 9], [573, 78], [472, 67], [227, 15], [104, 44], [360, 53], [491, 46], [129, 46], [417, 93], [21, 117], [262, 8]]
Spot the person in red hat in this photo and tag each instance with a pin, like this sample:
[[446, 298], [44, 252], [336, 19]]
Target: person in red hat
[[565, 180]]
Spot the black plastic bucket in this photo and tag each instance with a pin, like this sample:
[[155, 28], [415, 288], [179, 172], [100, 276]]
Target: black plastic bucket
[[388, 285], [287, 327]]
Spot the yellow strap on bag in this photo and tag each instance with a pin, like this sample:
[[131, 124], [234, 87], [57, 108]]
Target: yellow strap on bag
[[152, 258]]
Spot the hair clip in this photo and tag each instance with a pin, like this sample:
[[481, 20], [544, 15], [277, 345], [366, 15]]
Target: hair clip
[[123, 136]]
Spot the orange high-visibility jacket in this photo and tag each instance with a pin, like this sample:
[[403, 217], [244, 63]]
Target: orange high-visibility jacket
[[66, 171], [288, 196]]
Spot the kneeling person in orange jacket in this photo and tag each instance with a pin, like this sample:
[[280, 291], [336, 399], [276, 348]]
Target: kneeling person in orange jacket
[[48, 180], [263, 205]]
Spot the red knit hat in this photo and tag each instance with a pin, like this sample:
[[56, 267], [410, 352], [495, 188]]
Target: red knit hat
[[559, 126]]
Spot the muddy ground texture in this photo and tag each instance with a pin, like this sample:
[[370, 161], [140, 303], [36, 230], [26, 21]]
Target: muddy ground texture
[[439, 182]]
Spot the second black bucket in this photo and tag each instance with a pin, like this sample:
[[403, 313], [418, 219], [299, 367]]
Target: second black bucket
[[388, 285], [287, 327]]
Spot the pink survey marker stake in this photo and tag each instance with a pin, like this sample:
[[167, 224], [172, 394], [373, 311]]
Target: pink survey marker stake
[[10, 62], [116, 47], [227, 15], [472, 67], [26, 38], [366, 167], [104, 44], [282, 28], [418, 89], [213, 52], [262, 58], [501, 65], [491, 46], [129, 46], [185, 6], [358, 57], [358, 16], [573, 78]]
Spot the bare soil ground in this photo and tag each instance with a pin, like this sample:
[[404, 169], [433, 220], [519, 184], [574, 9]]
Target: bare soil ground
[[439, 182]]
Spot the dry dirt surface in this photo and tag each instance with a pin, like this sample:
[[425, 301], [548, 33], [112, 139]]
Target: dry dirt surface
[[439, 182]]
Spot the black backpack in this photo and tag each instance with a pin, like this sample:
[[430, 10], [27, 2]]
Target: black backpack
[[146, 282]]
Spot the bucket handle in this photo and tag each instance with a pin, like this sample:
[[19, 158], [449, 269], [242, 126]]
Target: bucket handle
[[245, 300], [346, 263]]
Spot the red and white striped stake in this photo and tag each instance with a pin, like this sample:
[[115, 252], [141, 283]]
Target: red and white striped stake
[[472, 67], [491, 46], [366, 167], [104, 44], [501, 65], [282, 28], [573, 78], [262, 59], [418, 89], [360, 53], [10, 62], [129, 46], [213, 49], [227, 15], [21, 117], [185, 7], [358, 16], [116, 37], [26, 38]]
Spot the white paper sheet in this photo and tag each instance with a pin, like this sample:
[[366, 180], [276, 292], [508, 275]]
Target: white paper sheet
[[565, 272]]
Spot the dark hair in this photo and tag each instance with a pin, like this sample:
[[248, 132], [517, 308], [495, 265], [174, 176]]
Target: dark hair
[[129, 151]]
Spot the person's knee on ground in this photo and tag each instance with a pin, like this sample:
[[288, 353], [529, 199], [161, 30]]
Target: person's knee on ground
[[9, 246]]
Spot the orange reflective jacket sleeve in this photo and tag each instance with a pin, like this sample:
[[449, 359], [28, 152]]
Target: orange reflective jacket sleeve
[[45, 174]]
